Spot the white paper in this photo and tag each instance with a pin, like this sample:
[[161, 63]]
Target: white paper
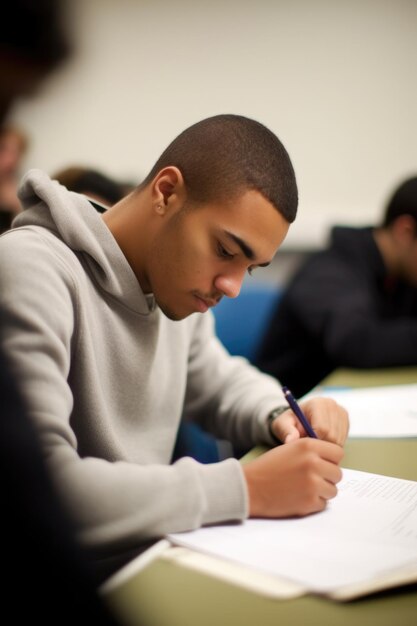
[[368, 532], [389, 411]]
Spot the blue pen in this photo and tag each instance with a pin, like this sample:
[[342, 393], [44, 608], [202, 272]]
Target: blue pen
[[298, 412]]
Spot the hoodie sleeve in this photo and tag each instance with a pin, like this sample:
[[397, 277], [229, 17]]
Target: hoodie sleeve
[[226, 394], [116, 505]]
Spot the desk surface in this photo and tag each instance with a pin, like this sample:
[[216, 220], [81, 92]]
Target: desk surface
[[166, 594], [344, 377]]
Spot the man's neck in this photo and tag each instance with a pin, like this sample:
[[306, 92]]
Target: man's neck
[[128, 221], [388, 250]]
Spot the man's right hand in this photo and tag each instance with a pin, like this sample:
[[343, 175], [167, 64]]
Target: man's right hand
[[293, 479]]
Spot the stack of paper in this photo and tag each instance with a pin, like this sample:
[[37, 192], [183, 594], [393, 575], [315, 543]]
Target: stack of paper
[[389, 411], [364, 541]]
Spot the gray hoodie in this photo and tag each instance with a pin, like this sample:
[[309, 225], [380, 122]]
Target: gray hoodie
[[107, 377]]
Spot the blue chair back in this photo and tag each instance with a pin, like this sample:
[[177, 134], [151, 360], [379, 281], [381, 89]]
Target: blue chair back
[[241, 322], [240, 325]]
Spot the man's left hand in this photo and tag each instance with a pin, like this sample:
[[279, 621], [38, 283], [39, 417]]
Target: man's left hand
[[328, 419]]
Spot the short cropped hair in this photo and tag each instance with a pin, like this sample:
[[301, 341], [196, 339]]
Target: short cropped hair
[[225, 155], [402, 202]]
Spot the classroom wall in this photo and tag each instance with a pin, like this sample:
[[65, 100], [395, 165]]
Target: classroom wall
[[335, 79]]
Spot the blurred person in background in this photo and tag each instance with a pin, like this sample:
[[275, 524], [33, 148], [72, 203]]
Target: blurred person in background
[[93, 183], [13, 146], [353, 304], [43, 564]]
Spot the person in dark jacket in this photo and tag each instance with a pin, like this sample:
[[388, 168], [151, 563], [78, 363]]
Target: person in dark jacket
[[353, 304]]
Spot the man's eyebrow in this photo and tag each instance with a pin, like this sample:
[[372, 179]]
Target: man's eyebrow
[[246, 249]]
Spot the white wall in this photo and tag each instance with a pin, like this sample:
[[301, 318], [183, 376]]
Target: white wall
[[334, 79]]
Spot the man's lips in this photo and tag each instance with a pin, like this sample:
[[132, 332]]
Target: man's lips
[[204, 304]]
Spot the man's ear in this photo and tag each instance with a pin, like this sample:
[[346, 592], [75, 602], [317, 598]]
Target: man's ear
[[404, 229], [168, 190]]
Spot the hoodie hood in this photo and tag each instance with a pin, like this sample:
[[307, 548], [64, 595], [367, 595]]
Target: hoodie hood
[[73, 220]]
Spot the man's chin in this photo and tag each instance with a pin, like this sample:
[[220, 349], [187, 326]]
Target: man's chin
[[171, 314]]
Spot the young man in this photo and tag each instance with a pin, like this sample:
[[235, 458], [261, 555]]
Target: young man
[[351, 305], [108, 326]]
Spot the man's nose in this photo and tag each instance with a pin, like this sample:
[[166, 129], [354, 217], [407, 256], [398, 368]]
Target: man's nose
[[229, 284]]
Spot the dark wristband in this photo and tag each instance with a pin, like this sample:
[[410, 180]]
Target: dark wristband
[[271, 417]]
